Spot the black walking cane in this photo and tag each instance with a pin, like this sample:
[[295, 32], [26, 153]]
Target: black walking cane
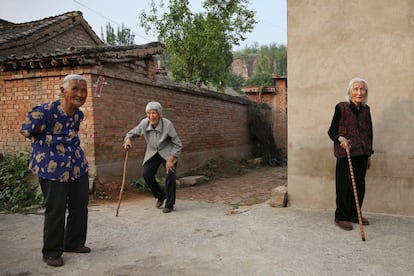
[[351, 170], [123, 181]]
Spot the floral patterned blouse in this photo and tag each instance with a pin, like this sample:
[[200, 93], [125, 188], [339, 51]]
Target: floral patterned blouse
[[56, 151]]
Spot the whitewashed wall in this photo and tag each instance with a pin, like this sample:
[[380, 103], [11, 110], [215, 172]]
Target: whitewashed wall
[[330, 42]]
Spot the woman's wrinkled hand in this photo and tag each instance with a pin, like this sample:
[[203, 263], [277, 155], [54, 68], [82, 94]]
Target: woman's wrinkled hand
[[344, 143], [170, 165], [127, 144]]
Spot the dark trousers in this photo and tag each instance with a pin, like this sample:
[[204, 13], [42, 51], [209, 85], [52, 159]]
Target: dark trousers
[[73, 195], [150, 169], [345, 199]]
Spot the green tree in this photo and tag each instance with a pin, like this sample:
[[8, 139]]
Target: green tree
[[263, 78], [199, 44], [123, 36], [247, 52], [273, 59], [236, 82], [270, 58]]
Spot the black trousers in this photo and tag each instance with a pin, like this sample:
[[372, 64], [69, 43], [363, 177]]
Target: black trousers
[[59, 196], [150, 169], [345, 199]]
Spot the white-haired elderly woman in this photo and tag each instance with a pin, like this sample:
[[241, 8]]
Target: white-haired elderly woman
[[351, 127], [61, 166], [163, 147]]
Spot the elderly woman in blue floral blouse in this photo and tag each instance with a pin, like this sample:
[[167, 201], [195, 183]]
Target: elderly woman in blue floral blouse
[[62, 168]]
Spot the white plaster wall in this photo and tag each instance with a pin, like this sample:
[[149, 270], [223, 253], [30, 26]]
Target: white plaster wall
[[330, 42]]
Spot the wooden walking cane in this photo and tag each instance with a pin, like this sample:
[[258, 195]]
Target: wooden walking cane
[[351, 170], [123, 182]]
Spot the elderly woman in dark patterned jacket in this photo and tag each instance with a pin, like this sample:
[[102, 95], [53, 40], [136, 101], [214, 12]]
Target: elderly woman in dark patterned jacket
[[351, 127], [61, 166]]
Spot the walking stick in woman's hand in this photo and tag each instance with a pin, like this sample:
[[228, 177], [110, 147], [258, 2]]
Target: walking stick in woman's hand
[[351, 170], [123, 181]]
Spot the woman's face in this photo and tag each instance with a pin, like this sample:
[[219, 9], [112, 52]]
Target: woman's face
[[153, 117], [75, 94], [358, 93]]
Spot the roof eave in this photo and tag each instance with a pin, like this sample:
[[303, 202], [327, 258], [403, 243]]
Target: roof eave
[[82, 56]]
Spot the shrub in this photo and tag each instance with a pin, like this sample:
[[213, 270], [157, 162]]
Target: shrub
[[141, 186], [15, 192], [262, 138]]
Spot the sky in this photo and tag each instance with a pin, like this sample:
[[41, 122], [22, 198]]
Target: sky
[[271, 16]]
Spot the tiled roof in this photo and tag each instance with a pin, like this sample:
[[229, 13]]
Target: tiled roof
[[14, 35], [20, 38], [18, 34], [82, 56], [257, 88], [5, 23]]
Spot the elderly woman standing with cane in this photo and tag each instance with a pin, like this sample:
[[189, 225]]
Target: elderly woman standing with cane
[[163, 147], [351, 127]]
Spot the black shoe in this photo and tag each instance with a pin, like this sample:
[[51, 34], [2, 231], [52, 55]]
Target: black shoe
[[160, 202], [53, 261], [343, 224], [81, 249], [167, 210]]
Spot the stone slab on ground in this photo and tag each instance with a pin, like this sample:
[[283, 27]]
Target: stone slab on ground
[[189, 180]]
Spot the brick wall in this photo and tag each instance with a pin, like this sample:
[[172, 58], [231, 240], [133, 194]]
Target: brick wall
[[280, 115], [210, 124]]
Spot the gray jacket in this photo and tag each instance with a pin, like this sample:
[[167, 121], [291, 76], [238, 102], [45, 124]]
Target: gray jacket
[[163, 139]]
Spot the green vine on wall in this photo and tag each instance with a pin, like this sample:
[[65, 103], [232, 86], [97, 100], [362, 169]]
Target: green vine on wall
[[261, 134]]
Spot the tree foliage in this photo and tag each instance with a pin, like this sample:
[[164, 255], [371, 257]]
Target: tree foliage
[[270, 59], [123, 36], [199, 44], [263, 78], [236, 82]]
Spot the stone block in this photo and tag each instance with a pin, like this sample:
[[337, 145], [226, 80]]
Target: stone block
[[278, 197], [189, 180]]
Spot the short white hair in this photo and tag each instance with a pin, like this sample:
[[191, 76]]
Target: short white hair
[[155, 106], [351, 84], [67, 80], [72, 77]]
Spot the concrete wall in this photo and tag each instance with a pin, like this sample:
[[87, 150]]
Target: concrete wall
[[330, 42]]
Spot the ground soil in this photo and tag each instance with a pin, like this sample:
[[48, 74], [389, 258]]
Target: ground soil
[[225, 182]]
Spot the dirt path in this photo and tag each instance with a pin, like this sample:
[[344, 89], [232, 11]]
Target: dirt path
[[251, 188]]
